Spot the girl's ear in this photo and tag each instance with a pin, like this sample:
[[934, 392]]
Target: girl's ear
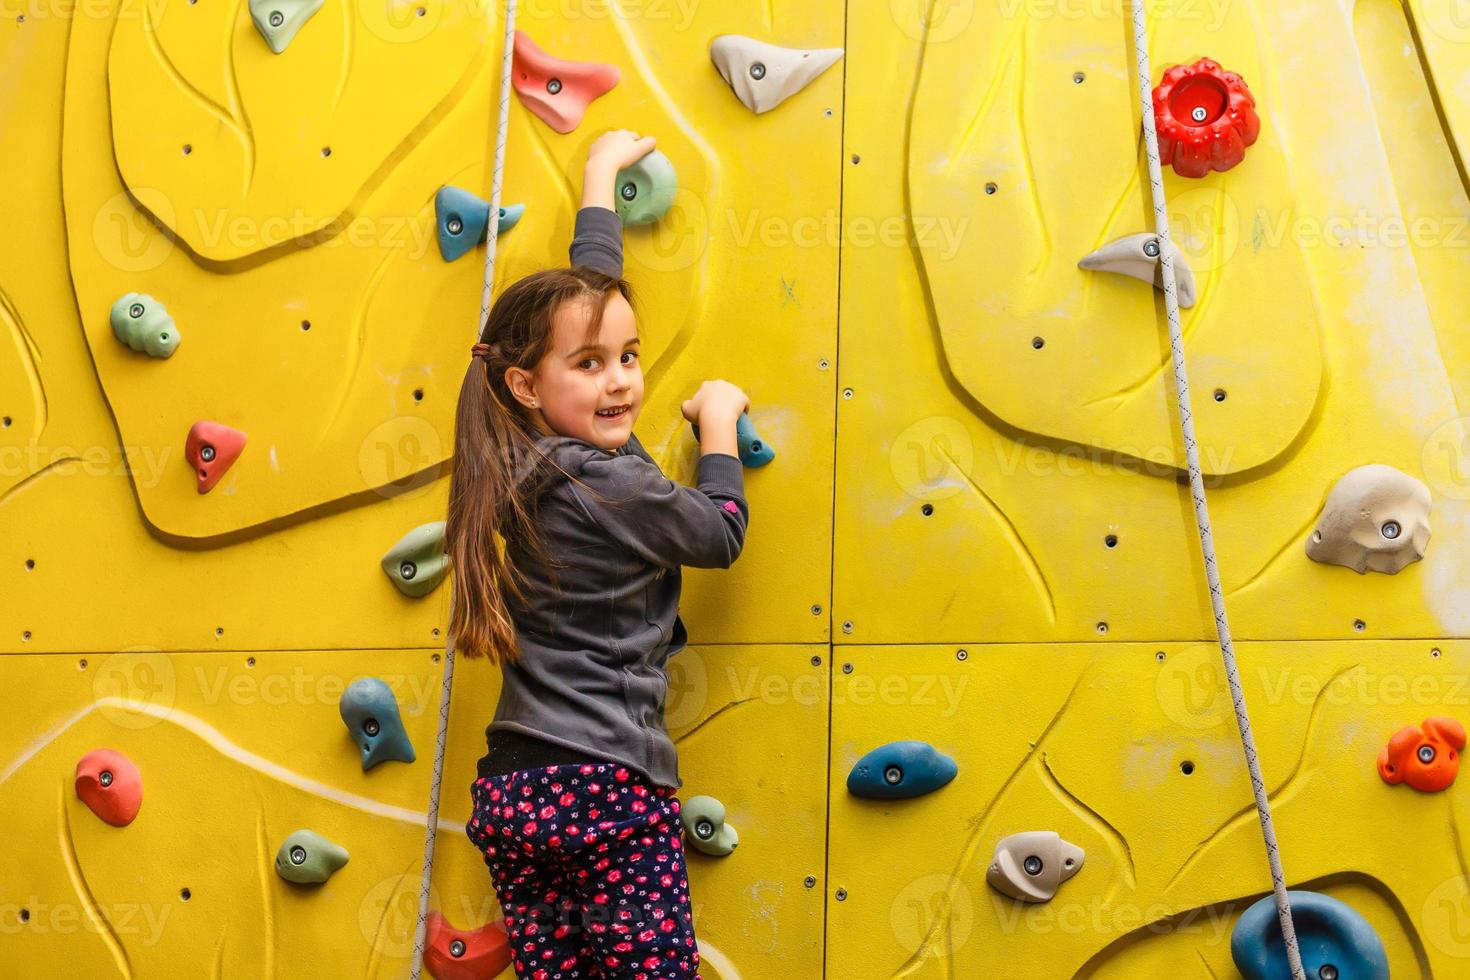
[[522, 386]]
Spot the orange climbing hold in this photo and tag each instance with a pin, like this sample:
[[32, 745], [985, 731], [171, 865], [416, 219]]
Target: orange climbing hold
[[558, 91], [1205, 116], [110, 785], [455, 954], [1426, 757], [211, 449]]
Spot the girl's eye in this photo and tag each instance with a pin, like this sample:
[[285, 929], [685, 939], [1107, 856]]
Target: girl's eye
[[631, 353], [590, 360]]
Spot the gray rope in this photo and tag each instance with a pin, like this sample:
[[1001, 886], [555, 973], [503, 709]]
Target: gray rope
[[431, 828], [1197, 488]]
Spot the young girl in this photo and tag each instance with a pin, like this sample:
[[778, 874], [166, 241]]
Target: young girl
[[574, 807]]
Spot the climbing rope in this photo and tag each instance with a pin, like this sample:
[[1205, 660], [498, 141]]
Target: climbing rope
[[431, 826], [1197, 488]]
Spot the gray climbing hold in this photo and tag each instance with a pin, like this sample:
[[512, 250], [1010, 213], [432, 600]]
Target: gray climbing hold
[[141, 322], [1376, 518], [279, 20], [703, 818], [308, 858], [764, 75], [370, 711], [1031, 866], [417, 563], [1138, 256], [646, 189]]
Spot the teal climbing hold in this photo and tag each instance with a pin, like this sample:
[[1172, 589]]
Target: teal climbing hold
[[308, 858], [464, 219], [1335, 941], [900, 771], [279, 20], [417, 563], [645, 190], [752, 449], [141, 322], [703, 818], [370, 712]]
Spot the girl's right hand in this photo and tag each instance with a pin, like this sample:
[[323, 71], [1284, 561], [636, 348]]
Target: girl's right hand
[[715, 399]]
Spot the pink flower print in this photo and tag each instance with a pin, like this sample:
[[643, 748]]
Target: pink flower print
[[600, 865], [639, 806], [567, 799], [593, 813], [573, 829], [640, 790], [666, 880], [561, 933], [556, 787], [586, 770], [645, 935], [629, 888], [569, 963], [495, 795], [600, 898], [594, 787], [668, 925], [525, 807], [604, 825], [548, 811], [529, 828], [554, 840], [614, 875], [621, 775], [651, 962], [541, 975], [623, 947]]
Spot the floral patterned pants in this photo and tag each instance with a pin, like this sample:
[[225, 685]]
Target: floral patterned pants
[[595, 842]]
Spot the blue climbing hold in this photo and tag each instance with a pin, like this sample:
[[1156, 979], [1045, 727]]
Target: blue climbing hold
[[1336, 942], [753, 450], [900, 771], [463, 219], [370, 712]]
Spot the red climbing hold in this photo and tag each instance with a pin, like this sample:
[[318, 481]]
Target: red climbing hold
[[558, 91], [484, 952], [1206, 117], [211, 448], [1427, 757], [110, 785]]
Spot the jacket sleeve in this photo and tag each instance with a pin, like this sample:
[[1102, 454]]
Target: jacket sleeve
[[597, 241], [664, 522]]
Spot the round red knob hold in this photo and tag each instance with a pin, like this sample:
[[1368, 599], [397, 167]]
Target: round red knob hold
[[1206, 117]]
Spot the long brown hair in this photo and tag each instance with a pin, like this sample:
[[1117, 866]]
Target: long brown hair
[[492, 502]]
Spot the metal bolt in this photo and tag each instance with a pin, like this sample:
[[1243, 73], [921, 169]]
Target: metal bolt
[[553, 85], [206, 453], [135, 311], [847, 668], [816, 610], [1159, 656], [893, 775], [1032, 865], [962, 655], [1198, 113], [456, 948], [408, 570], [455, 225], [704, 830], [1391, 529], [277, 18], [822, 364], [842, 894], [1078, 77], [1426, 754], [846, 392], [810, 881], [1102, 627], [371, 727], [816, 661], [1151, 248], [630, 191], [847, 626], [757, 71], [298, 855], [1327, 972], [105, 778]]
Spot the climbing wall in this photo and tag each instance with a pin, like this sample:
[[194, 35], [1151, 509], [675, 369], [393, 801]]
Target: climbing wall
[[237, 313]]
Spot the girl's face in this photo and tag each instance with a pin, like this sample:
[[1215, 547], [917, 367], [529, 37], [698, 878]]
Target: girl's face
[[575, 383]]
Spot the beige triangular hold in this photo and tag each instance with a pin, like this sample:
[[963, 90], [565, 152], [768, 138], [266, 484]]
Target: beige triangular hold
[[1130, 256], [764, 75]]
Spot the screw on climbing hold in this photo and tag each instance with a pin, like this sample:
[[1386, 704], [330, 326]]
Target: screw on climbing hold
[[1335, 941], [1360, 505], [370, 712], [211, 449], [463, 220], [110, 785], [1206, 117], [1137, 256], [1032, 865], [465, 954], [1390, 529], [762, 75], [1426, 757], [141, 322], [703, 818], [648, 187], [919, 767], [418, 562], [558, 92], [278, 21], [751, 448], [307, 857]]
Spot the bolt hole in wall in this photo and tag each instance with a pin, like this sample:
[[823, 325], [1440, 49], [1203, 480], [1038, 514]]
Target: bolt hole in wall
[[927, 510], [1219, 394], [82, 664], [185, 894], [1111, 541], [188, 148], [991, 188], [1359, 625], [1186, 767], [1160, 656], [305, 324], [418, 394], [1102, 628], [30, 564], [1037, 343], [1434, 652]]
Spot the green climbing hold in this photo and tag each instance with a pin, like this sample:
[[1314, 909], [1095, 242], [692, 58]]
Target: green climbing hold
[[418, 563], [646, 189], [308, 858], [279, 20], [704, 821], [141, 322]]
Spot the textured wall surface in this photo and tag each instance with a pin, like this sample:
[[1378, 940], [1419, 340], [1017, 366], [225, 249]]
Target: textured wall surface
[[966, 538]]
